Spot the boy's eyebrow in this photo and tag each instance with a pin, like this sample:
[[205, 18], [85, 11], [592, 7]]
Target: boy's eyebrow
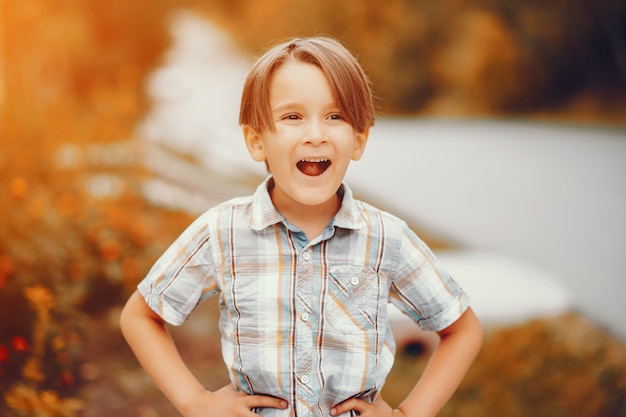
[[291, 105], [286, 106]]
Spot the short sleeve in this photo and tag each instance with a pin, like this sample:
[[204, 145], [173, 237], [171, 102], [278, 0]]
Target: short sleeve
[[422, 289], [183, 276]]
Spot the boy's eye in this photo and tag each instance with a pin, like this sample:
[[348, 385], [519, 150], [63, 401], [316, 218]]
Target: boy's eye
[[291, 117], [335, 116]]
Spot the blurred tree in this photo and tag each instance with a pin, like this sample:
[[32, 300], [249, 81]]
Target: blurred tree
[[484, 56], [76, 234]]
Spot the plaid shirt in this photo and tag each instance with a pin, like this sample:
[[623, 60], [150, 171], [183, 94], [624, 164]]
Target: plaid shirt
[[303, 321]]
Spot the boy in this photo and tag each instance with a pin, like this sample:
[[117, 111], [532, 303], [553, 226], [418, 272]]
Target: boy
[[303, 271]]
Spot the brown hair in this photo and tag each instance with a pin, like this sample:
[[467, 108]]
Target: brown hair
[[345, 75]]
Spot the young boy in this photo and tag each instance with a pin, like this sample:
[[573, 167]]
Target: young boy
[[303, 271]]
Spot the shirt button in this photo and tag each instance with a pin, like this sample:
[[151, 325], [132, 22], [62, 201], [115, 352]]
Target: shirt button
[[306, 256], [354, 280], [304, 379], [305, 317]]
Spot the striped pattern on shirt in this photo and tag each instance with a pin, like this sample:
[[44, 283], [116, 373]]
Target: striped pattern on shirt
[[306, 323]]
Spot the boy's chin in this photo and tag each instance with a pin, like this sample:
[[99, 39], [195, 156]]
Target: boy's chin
[[315, 197]]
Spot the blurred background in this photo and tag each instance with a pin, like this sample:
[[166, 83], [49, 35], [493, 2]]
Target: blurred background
[[501, 139]]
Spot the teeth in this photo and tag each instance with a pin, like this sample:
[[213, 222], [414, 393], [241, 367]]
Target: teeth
[[315, 160]]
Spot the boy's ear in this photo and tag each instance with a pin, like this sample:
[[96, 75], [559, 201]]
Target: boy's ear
[[359, 144], [253, 143]]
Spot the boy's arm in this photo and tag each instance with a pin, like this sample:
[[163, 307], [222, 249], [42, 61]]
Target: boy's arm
[[151, 343], [459, 345]]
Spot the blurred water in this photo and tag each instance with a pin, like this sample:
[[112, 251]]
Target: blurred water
[[554, 195], [551, 195]]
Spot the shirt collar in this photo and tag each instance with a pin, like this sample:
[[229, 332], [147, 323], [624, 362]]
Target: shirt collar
[[264, 214]]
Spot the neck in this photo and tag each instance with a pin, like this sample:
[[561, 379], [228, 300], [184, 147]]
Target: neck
[[312, 220]]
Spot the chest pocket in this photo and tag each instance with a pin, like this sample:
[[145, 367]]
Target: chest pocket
[[355, 298]]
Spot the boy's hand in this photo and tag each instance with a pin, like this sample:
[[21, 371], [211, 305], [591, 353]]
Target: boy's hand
[[379, 408], [229, 402]]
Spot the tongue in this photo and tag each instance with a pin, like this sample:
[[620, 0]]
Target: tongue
[[311, 168]]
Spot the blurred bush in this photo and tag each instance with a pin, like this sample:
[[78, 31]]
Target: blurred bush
[[554, 366], [76, 234]]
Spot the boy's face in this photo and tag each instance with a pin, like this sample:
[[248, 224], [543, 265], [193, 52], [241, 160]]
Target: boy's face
[[311, 146]]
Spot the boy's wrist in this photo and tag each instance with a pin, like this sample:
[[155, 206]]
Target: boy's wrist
[[397, 412], [194, 403]]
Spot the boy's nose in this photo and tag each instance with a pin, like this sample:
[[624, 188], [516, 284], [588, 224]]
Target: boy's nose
[[315, 133]]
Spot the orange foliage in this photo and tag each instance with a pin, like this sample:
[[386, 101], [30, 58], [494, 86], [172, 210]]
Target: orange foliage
[[556, 366], [71, 95]]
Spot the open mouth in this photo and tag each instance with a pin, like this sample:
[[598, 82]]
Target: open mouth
[[313, 167]]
